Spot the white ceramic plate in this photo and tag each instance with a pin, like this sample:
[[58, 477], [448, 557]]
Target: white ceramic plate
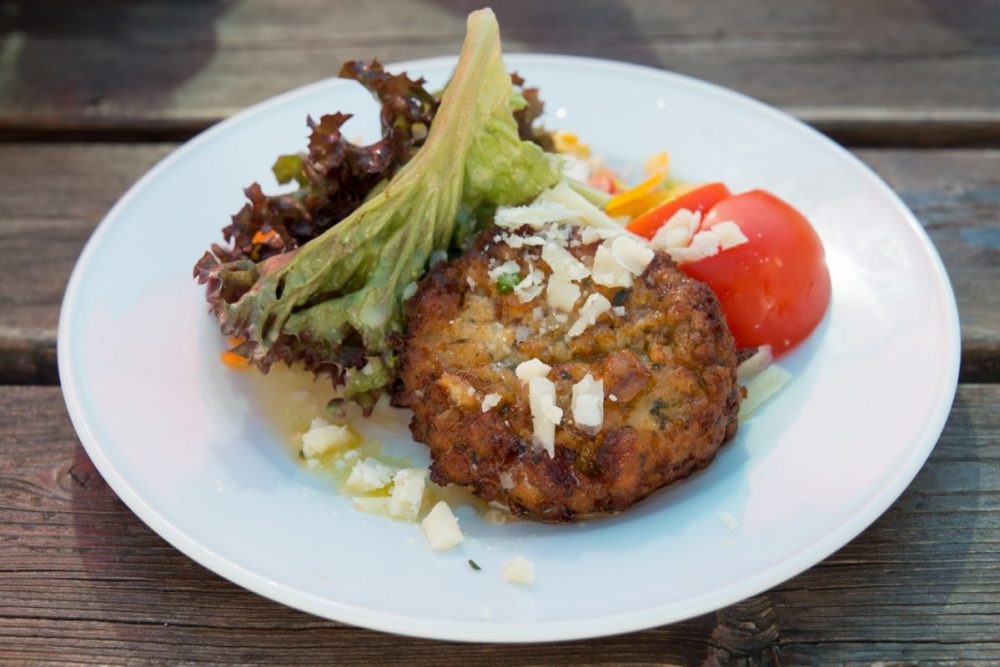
[[177, 436]]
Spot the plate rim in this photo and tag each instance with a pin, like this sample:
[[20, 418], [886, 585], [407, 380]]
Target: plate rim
[[490, 631]]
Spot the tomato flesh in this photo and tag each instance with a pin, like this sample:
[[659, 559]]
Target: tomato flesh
[[775, 288], [700, 198]]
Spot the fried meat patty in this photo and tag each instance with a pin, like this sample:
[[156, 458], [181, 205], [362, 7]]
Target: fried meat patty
[[668, 365]]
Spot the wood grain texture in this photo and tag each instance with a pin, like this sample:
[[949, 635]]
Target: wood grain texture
[[62, 191], [920, 72], [84, 581]]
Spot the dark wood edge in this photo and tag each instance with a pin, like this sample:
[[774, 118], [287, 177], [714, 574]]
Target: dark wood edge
[[28, 356], [859, 132]]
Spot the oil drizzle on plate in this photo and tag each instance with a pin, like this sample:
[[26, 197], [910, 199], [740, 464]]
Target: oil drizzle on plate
[[290, 398]]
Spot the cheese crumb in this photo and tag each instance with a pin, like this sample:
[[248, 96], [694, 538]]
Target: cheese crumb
[[536, 214], [607, 270], [729, 520], [490, 401], [505, 269], [730, 235], [588, 402], [631, 254], [590, 235], [323, 437], [441, 528], [563, 263], [678, 230], [760, 360], [519, 570], [369, 475], [764, 385], [516, 242], [531, 368], [531, 286], [704, 244], [562, 294], [546, 415], [407, 496], [595, 306], [619, 311]]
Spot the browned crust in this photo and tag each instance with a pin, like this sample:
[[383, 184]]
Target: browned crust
[[670, 362]]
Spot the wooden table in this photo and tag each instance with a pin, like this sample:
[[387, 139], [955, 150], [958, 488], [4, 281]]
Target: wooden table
[[93, 94]]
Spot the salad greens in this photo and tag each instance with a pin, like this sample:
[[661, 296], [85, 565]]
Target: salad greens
[[335, 303], [335, 175]]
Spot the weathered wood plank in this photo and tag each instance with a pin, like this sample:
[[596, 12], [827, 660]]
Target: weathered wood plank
[[62, 191], [921, 72], [85, 581]]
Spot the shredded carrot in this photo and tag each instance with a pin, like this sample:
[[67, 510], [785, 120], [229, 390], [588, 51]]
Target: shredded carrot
[[634, 201], [234, 360], [263, 238], [658, 163]]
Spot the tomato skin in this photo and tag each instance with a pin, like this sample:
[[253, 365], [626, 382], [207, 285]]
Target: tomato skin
[[700, 198], [775, 288]]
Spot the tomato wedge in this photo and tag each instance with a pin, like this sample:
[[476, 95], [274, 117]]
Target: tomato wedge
[[700, 198], [775, 288]]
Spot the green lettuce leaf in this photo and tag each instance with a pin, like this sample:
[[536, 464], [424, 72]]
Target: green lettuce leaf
[[336, 302]]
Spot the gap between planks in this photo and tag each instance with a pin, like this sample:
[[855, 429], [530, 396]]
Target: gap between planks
[[851, 128]]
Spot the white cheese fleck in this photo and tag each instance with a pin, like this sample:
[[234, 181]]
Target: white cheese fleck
[[369, 475], [515, 241], [588, 402], [323, 437], [729, 520], [508, 267], [506, 480], [531, 368], [441, 528], [595, 306], [730, 235], [407, 493], [562, 294], [564, 195], [471, 282], [631, 254], [535, 214], [590, 235], [519, 570], [677, 231], [546, 415], [607, 270], [766, 383], [563, 263], [490, 401], [704, 244], [619, 311], [760, 360], [438, 256], [612, 398], [531, 286]]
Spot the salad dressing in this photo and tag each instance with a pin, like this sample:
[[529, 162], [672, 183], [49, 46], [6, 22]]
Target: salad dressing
[[288, 399]]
